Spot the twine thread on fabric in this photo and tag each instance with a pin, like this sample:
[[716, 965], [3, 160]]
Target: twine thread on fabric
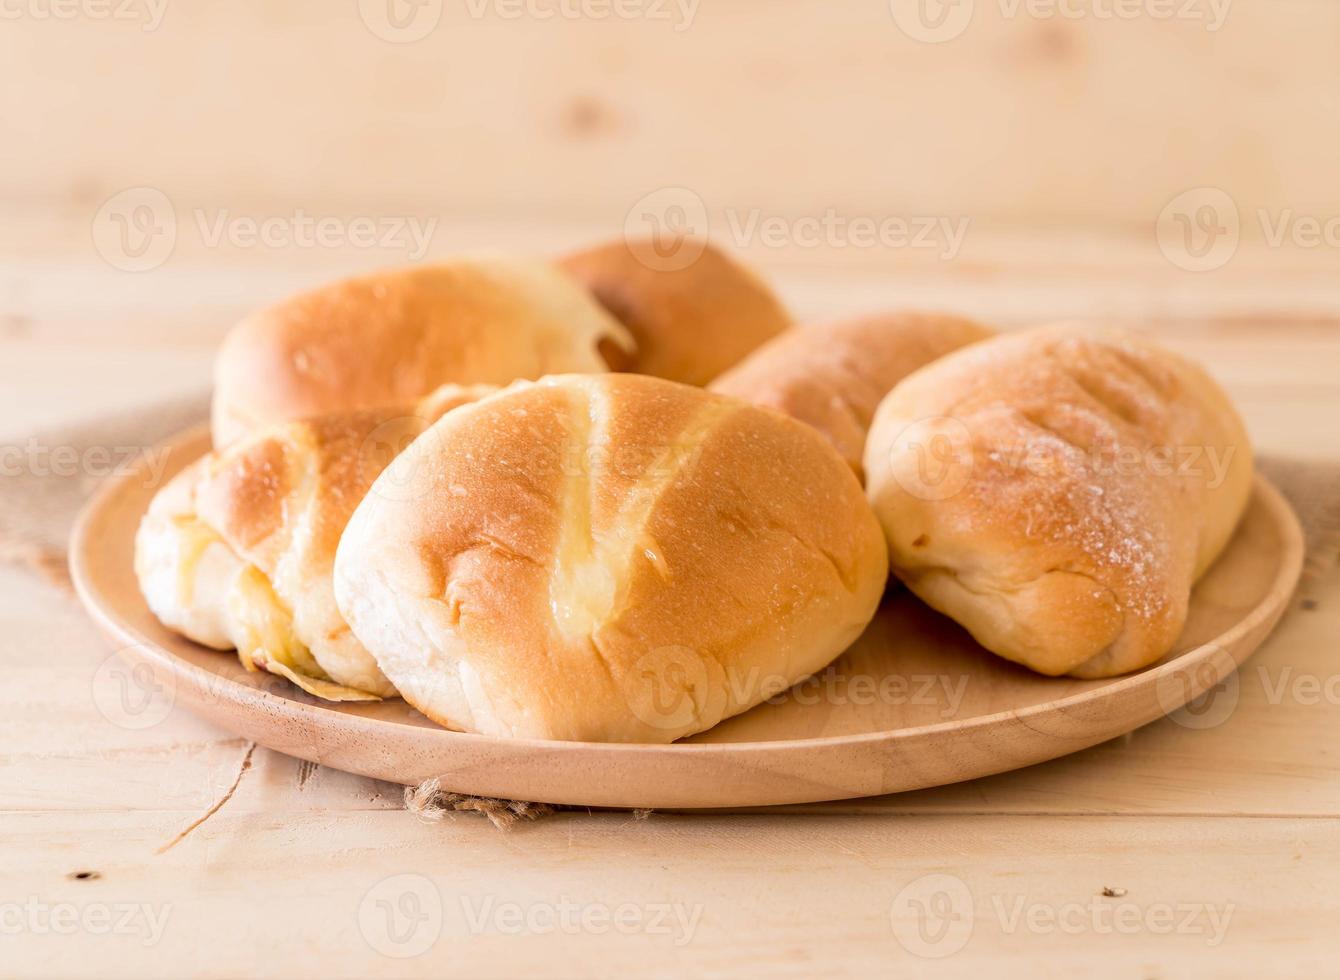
[[431, 803]]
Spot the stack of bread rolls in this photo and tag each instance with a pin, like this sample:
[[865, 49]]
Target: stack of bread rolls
[[591, 500]]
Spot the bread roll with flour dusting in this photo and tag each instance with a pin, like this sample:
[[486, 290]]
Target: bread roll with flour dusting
[[1058, 491], [392, 337], [688, 323], [608, 558], [834, 375], [236, 552]]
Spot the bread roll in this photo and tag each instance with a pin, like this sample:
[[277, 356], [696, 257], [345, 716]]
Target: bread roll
[[390, 338], [833, 375], [687, 324], [237, 551], [1058, 491], [609, 558]]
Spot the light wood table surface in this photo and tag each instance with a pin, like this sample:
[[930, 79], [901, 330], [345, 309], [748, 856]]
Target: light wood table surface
[[1220, 844]]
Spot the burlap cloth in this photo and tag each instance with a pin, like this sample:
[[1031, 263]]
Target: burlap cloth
[[41, 491]]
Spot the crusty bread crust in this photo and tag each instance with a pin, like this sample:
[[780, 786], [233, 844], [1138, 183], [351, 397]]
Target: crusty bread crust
[[278, 501], [834, 375], [391, 338], [608, 558], [1058, 491], [688, 324]]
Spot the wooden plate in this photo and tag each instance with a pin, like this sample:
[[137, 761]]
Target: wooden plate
[[914, 703]]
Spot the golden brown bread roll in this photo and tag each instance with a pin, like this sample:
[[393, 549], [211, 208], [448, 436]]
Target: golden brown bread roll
[[1058, 491], [237, 551], [389, 338], [608, 558], [687, 324], [833, 375]]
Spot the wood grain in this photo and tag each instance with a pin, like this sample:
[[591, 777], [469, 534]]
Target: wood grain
[[818, 896], [792, 109], [1244, 811]]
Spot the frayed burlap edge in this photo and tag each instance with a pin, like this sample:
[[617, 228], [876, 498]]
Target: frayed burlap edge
[[431, 803]]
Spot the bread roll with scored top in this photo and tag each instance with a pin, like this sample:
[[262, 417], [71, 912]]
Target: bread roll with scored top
[[390, 338], [833, 375], [237, 551], [688, 324], [608, 558], [1058, 491]]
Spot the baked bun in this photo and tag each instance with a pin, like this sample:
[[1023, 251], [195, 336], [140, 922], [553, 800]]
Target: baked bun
[[608, 558], [237, 551], [688, 324], [1058, 491], [833, 375], [390, 338]]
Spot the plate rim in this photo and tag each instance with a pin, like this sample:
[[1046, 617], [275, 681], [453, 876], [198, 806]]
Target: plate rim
[[106, 617]]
